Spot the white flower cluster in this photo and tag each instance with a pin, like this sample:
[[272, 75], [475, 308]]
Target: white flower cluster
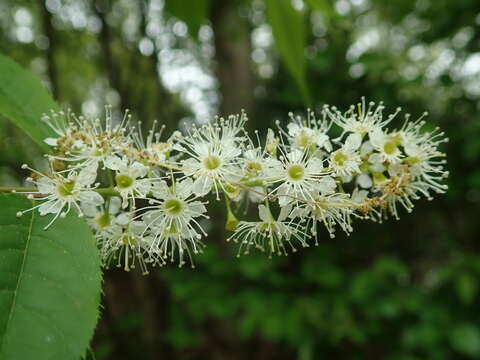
[[144, 197]]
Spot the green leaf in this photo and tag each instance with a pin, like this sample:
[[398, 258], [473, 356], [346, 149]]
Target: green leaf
[[288, 28], [467, 287], [193, 13], [322, 6], [50, 283], [465, 338], [24, 100]]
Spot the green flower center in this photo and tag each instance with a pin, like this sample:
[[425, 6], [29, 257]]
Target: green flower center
[[124, 181], [340, 158], [390, 147], [173, 206], [230, 188], [304, 139], [296, 172], [65, 188], [364, 166], [128, 240], [411, 160], [212, 162], [103, 220], [254, 167], [379, 177]]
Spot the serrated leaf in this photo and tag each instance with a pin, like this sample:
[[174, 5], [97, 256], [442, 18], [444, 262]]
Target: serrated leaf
[[24, 100], [288, 28], [50, 283], [192, 13]]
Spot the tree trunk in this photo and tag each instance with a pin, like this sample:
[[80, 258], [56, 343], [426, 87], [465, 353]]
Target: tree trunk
[[233, 57]]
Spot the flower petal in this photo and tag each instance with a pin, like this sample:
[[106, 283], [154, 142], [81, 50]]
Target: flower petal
[[91, 197], [202, 185], [264, 213]]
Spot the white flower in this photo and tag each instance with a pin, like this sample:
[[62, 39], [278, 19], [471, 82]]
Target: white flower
[[361, 119], [166, 179], [61, 123], [329, 210], [308, 134], [124, 243], [58, 194], [129, 182], [151, 150], [299, 176], [387, 145], [364, 179], [213, 152], [85, 139], [256, 163], [212, 167], [231, 131], [274, 236], [425, 161], [373, 165], [346, 160], [102, 217], [398, 190], [172, 220]]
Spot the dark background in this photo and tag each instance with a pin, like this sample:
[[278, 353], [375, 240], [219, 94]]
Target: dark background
[[406, 289]]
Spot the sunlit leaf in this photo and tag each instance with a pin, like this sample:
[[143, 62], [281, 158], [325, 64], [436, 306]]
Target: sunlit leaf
[[467, 287], [322, 6], [192, 13], [288, 28], [24, 100], [465, 338]]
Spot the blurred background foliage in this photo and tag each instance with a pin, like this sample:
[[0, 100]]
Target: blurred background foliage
[[407, 289]]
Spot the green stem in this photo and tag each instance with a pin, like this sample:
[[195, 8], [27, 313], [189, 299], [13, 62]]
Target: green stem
[[232, 221], [107, 192], [17, 189], [340, 185], [102, 191], [110, 178], [227, 202], [267, 204], [253, 182]]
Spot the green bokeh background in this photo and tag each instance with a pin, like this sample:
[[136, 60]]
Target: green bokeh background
[[406, 289]]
